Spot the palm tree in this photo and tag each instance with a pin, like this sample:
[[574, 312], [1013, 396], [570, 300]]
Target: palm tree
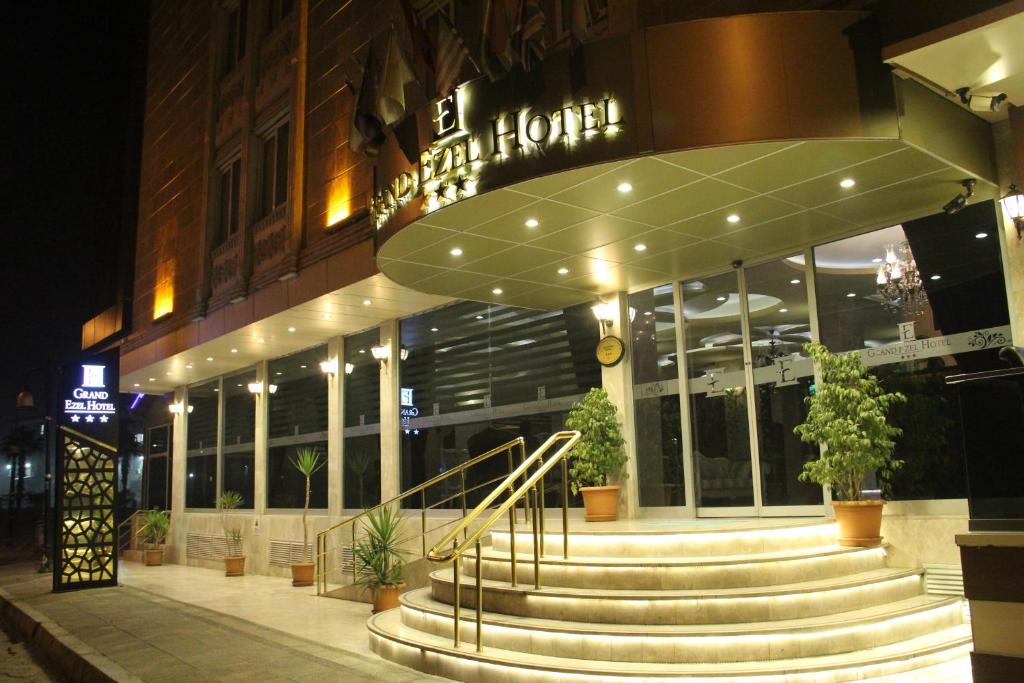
[[19, 442]]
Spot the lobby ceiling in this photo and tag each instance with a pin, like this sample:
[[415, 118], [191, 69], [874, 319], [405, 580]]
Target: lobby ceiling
[[574, 236]]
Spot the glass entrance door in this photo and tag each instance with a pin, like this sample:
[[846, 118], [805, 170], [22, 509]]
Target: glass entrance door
[[747, 379]]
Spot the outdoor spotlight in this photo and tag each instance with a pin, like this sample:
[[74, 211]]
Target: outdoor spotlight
[[605, 314], [1013, 202], [403, 353], [349, 367], [177, 408], [981, 102], [330, 367], [960, 200], [256, 388]]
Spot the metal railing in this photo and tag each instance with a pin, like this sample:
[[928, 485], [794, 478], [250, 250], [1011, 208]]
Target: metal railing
[[125, 533], [529, 491], [328, 564]]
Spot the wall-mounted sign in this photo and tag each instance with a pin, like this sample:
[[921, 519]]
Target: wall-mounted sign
[[610, 351], [449, 167], [89, 399], [407, 408]]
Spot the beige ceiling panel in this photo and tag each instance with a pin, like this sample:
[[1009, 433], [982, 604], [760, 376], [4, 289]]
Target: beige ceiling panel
[[449, 283], [791, 232], [809, 160], [751, 212], [590, 234], [409, 273], [712, 160], [472, 246], [684, 202], [648, 177], [618, 278], [655, 241], [483, 290], [512, 261], [879, 172], [695, 260], [574, 265], [413, 238], [550, 298], [470, 212], [548, 185], [550, 217]]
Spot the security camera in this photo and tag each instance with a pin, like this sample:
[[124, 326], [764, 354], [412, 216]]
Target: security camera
[[981, 102], [960, 200], [737, 264]]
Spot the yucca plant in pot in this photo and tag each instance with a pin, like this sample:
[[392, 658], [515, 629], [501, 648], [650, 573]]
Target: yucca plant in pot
[[598, 456], [234, 560], [155, 524], [847, 415], [307, 461], [380, 557]]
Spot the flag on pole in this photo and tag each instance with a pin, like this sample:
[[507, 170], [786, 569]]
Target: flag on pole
[[532, 27], [451, 55], [422, 48], [397, 73], [367, 131], [585, 13], [498, 49]]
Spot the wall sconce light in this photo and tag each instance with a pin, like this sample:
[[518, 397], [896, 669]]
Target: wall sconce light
[[381, 353], [349, 368], [177, 408], [1013, 202], [329, 367], [256, 388], [605, 314]]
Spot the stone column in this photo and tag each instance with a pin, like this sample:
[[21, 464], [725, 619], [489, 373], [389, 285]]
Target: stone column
[[618, 382], [1013, 248], [179, 466], [335, 428], [390, 446], [259, 487]]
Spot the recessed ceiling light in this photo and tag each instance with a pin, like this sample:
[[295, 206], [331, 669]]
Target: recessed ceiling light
[[783, 310], [326, 316], [877, 259], [847, 183], [733, 218], [168, 373], [261, 340], [640, 247], [433, 329], [624, 187], [136, 384], [234, 350], [455, 252], [278, 373], [188, 367], [981, 235], [721, 298], [795, 281], [367, 302], [152, 379], [291, 329], [209, 358], [303, 367], [497, 290], [563, 271], [850, 295], [532, 222], [479, 317], [238, 385], [648, 313], [936, 277]]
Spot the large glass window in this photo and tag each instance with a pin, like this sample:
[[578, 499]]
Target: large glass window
[[158, 468], [274, 169], [238, 450], [201, 454], [297, 418], [659, 439], [494, 372], [919, 301], [361, 446]]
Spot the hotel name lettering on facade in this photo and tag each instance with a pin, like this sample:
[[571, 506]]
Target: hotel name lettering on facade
[[448, 170]]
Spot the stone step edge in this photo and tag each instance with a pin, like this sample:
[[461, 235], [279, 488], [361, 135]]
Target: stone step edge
[[553, 530], [858, 659], [491, 555], [818, 585], [838, 620]]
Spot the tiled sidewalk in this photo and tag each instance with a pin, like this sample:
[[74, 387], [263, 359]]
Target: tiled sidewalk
[[177, 623]]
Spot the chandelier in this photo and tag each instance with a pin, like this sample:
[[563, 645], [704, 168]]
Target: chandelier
[[899, 282]]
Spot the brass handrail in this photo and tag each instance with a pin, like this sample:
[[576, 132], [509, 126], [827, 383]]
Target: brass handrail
[[529, 487], [126, 521], [460, 470]]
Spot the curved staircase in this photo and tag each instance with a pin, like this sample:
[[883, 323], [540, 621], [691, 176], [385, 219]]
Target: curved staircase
[[754, 602]]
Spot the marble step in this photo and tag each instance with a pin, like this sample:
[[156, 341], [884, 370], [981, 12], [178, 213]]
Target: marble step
[[435, 654], [831, 634], [673, 541], [702, 606], [790, 566]]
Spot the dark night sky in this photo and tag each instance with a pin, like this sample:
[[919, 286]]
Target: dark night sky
[[73, 76]]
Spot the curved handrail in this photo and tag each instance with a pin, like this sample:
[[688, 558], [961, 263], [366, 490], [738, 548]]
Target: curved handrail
[[439, 553]]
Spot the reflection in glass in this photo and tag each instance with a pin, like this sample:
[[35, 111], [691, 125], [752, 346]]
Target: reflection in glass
[[361, 443], [718, 401], [201, 455], [238, 450], [659, 445], [286, 486], [158, 458], [783, 376]]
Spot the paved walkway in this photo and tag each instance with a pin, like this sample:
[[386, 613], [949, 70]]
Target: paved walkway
[[177, 623]]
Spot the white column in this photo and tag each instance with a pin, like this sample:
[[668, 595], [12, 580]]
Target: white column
[[618, 382], [335, 427], [390, 446], [259, 484], [179, 466], [689, 474]]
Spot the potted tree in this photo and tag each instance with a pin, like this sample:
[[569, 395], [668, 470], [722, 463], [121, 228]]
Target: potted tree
[[307, 461], [153, 531], [234, 561], [847, 415], [598, 456], [380, 558]]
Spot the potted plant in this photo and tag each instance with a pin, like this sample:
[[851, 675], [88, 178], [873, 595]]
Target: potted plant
[[598, 456], [153, 531], [234, 561], [847, 415], [307, 461], [380, 558]]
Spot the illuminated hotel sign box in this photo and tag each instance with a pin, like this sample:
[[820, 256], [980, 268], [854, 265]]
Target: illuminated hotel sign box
[[487, 135], [85, 550]]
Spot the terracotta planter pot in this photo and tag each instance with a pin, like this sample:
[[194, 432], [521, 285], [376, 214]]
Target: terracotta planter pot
[[302, 573], [860, 522], [386, 598], [234, 566], [153, 557], [601, 503]]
